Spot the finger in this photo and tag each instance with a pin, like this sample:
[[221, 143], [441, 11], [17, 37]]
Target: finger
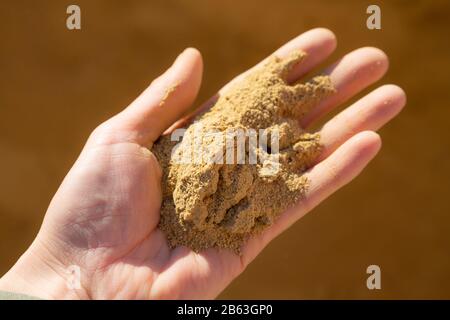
[[325, 178], [317, 43], [163, 102], [336, 171], [369, 113], [354, 72]]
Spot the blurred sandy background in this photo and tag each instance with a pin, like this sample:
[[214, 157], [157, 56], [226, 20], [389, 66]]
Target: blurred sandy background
[[56, 85]]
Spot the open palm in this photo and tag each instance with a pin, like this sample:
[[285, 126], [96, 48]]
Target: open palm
[[104, 217]]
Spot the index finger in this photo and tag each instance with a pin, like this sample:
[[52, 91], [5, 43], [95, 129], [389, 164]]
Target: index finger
[[317, 43]]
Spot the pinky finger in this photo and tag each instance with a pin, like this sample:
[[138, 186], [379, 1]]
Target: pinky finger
[[341, 167], [328, 176]]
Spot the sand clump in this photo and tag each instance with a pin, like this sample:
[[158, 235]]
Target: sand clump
[[209, 204]]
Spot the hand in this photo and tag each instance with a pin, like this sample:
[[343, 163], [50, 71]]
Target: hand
[[104, 216]]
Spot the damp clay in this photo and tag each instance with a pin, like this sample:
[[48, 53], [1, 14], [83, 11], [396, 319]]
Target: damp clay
[[221, 204]]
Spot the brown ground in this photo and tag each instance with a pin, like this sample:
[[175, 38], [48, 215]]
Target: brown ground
[[56, 86]]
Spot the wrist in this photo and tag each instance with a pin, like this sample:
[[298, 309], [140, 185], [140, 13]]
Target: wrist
[[38, 275]]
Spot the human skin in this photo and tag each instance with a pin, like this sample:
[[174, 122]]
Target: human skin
[[104, 216]]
